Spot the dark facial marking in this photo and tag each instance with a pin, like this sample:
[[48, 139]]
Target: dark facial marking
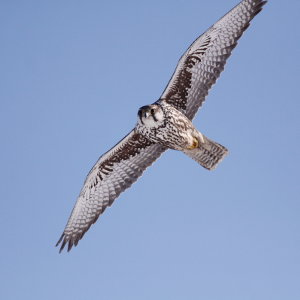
[[141, 112], [153, 114]]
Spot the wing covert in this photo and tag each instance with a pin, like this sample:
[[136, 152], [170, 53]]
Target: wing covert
[[114, 172], [201, 65]]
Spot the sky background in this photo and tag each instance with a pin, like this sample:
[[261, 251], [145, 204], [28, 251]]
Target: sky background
[[73, 75]]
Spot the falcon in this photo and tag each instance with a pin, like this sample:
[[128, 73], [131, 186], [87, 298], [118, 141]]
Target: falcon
[[165, 124]]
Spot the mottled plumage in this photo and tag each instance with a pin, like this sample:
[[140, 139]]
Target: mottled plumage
[[166, 124]]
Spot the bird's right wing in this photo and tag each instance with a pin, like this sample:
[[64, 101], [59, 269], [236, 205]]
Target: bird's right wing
[[203, 62], [114, 172]]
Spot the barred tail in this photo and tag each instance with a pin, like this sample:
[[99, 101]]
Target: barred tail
[[208, 154]]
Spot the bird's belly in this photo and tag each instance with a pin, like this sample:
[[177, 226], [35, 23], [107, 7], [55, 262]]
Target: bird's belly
[[174, 140], [169, 136]]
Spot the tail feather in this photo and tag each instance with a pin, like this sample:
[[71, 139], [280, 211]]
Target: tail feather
[[208, 154]]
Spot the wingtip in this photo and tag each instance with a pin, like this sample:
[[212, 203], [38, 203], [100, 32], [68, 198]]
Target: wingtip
[[260, 4], [63, 241], [70, 241], [258, 7]]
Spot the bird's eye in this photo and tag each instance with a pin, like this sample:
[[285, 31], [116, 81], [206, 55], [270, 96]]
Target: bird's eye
[[152, 111]]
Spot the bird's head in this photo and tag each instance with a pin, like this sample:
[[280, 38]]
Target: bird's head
[[151, 115]]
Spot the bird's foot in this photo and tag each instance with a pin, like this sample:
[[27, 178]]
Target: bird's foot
[[194, 145]]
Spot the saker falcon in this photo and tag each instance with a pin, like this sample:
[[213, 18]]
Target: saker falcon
[[165, 124]]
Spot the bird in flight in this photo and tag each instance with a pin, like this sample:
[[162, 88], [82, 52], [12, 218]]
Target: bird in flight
[[165, 124]]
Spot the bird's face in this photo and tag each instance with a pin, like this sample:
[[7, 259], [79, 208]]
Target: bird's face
[[151, 115]]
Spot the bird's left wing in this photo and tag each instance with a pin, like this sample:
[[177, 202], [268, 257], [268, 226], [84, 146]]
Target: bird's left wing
[[114, 172], [201, 65]]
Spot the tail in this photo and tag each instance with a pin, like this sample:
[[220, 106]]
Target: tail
[[207, 154]]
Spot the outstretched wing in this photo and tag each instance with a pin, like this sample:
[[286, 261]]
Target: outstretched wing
[[201, 65], [114, 172]]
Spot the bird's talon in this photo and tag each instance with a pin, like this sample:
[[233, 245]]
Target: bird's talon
[[194, 145]]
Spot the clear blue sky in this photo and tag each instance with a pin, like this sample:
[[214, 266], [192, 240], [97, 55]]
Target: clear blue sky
[[73, 75]]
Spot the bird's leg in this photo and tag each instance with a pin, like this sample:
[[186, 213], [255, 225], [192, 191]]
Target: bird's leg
[[196, 141], [194, 144]]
